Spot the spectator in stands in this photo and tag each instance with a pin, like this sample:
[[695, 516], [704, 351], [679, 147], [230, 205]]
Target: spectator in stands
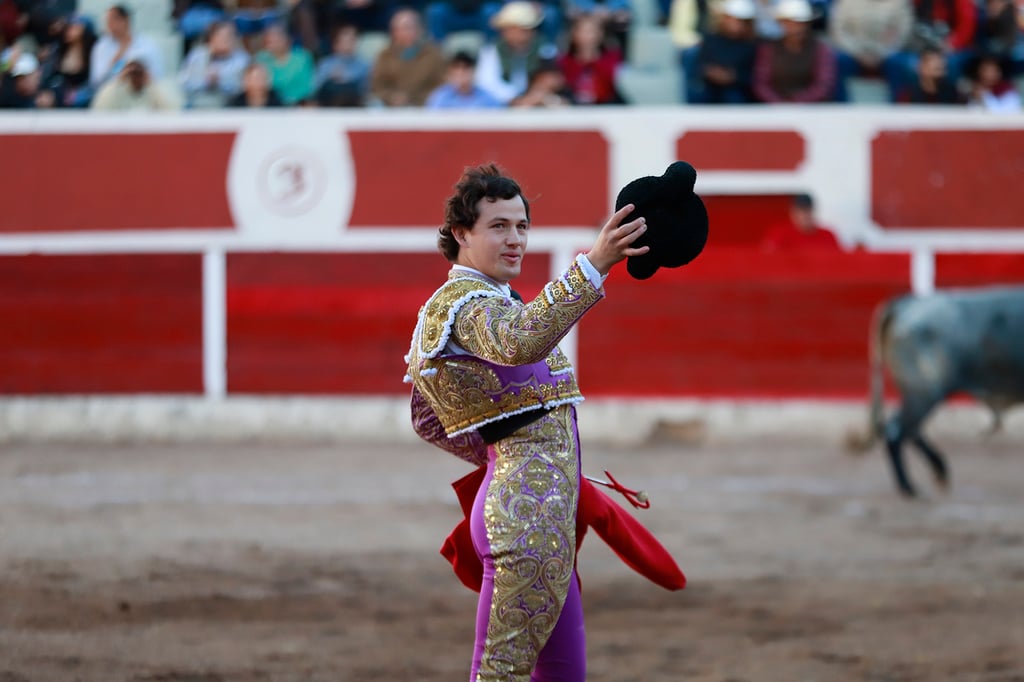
[[867, 36], [948, 25], [212, 72], [991, 89], [256, 91], [505, 66], [590, 63], [303, 25], [290, 67], [47, 18], [801, 232], [410, 67], [999, 27], [134, 89], [459, 91], [446, 16], [21, 87], [719, 70], [120, 45], [67, 66], [194, 18], [798, 67], [547, 89], [343, 77], [616, 16], [932, 84]]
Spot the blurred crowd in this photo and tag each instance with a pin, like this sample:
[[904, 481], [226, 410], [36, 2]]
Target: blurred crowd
[[548, 53]]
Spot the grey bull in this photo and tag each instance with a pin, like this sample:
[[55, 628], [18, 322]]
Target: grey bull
[[952, 341]]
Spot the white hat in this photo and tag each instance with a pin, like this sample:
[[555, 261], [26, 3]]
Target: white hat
[[794, 10], [26, 64], [741, 9], [518, 13]]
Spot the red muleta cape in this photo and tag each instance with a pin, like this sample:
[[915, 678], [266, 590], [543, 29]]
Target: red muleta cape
[[633, 543]]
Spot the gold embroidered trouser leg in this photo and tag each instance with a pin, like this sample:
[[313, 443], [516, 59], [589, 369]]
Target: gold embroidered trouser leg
[[524, 527]]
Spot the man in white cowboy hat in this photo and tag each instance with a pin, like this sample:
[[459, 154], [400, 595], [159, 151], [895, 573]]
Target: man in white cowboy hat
[[798, 67], [21, 87], [504, 66]]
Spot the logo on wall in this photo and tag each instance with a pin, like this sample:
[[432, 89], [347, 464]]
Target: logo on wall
[[292, 181]]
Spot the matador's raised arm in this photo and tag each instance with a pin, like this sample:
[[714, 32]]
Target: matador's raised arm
[[506, 332]]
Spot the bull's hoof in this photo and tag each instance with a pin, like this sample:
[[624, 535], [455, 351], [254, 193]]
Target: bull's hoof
[[907, 492]]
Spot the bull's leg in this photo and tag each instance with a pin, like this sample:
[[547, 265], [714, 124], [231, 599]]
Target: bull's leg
[[906, 425], [894, 435], [935, 459]]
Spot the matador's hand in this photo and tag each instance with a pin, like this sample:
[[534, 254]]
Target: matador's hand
[[614, 242]]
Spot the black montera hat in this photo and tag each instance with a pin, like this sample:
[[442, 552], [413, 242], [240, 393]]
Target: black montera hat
[[677, 222]]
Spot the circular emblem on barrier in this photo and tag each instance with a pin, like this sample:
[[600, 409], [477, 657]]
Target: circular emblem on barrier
[[291, 181]]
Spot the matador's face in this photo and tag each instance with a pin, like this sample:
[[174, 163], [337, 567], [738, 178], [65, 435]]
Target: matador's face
[[497, 241]]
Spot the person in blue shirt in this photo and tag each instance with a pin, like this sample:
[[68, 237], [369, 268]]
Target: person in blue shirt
[[343, 77], [459, 90]]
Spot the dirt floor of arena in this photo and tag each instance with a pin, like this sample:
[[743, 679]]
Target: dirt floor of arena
[[296, 563]]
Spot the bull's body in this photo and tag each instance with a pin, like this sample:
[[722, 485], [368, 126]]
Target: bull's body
[[953, 341]]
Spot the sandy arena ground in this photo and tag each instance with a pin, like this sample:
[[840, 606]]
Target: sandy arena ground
[[296, 563]]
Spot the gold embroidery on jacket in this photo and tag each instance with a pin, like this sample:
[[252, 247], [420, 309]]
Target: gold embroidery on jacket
[[530, 516], [463, 391], [509, 333], [436, 313]]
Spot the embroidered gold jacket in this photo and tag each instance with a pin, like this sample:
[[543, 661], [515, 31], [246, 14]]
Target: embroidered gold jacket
[[512, 362]]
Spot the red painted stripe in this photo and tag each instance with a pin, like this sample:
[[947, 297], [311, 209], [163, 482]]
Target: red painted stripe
[[742, 150], [404, 177], [978, 269], [931, 179], [737, 322], [332, 323], [59, 183], [738, 220], [101, 324]]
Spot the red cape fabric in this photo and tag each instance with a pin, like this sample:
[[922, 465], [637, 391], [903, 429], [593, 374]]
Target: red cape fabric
[[633, 543]]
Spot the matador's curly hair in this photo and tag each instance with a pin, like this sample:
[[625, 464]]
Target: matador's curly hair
[[479, 182]]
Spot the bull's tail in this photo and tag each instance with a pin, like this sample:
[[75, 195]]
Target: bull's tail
[[880, 321]]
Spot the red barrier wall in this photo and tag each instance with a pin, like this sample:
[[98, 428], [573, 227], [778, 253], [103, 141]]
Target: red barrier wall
[[978, 269], [547, 164], [947, 178], [101, 324], [120, 182], [331, 323], [740, 322], [328, 315]]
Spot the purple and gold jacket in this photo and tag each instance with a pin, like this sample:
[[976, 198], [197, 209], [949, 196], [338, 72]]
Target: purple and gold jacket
[[478, 355]]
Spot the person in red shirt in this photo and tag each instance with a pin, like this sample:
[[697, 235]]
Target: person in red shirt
[[801, 232], [590, 64]]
